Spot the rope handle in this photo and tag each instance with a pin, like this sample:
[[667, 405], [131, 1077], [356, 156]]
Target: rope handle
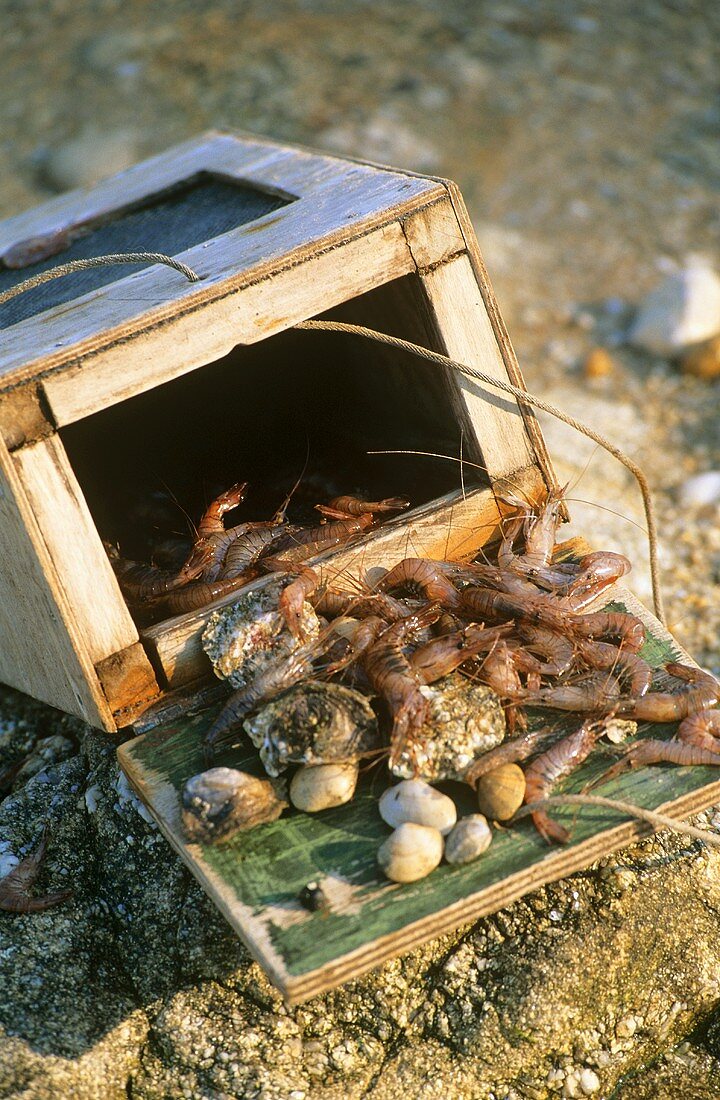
[[98, 261]]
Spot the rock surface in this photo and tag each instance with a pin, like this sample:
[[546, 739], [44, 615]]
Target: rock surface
[[683, 310]]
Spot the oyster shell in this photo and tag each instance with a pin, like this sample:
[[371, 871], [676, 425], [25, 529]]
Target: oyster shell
[[220, 802], [313, 723], [465, 719], [243, 639]]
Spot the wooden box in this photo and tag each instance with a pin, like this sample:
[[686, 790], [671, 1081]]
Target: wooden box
[[105, 375]]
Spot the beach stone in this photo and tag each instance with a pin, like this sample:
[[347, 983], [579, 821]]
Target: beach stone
[[92, 156], [701, 490], [468, 839], [683, 310], [411, 852], [703, 361], [322, 786], [415, 801]]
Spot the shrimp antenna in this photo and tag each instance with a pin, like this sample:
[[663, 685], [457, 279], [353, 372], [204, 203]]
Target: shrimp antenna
[[177, 504], [524, 398], [279, 516]]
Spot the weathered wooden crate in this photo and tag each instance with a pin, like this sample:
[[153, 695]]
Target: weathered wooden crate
[[92, 382], [104, 375]]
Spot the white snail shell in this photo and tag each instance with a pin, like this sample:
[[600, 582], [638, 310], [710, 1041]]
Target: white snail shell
[[411, 852], [417, 802], [468, 840], [321, 786]]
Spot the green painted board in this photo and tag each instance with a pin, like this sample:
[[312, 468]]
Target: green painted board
[[256, 877]]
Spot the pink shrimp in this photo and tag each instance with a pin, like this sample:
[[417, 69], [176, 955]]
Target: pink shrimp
[[554, 764], [294, 595], [391, 675], [15, 887], [341, 507], [331, 604], [662, 706], [487, 604], [511, 752], [628, 629], [212, 520], [425, 576], [588, 695], [143, 583], [627, 666], [558, 650], [199, 593], [701, 730], [442, 655], [304, 544], [650, 751]]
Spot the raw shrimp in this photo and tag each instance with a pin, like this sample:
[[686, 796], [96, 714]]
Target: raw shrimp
[[627, 628], [331, 604], [511, 752], [294, 595], [341, 507], [391, 675], [142, 583], [442, 655], [651, 751], [555, 764], [485, 603], [307, 543], [199, 593], [627, 666], [596, 572], [425, 576], [558, 650], [701, 730], [662, 706], [212, 521], [245, 550], [15, 887], [588, 695]]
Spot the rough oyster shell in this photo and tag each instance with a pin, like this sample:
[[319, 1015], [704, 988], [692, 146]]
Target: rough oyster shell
[[223, 801], [313, 723]]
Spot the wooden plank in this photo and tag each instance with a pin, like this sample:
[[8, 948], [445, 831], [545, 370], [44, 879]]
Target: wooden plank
[[453, 528], [161, 353], [466, 334], [255, 878], [23, 417], [337, 202], [129, 683], [42, 652], [71, 538], [434, 234], [502, 336]]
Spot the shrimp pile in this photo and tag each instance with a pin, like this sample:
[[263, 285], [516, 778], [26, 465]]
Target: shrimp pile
[[224, 559], [522, 625]]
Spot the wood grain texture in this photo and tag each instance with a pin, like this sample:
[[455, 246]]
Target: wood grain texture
[[255, 878], [168, 351], [42, 651], [466, 334], [452, 528], [433, 234], [129, 683], [23, 419], [71, 538], [335, 202]]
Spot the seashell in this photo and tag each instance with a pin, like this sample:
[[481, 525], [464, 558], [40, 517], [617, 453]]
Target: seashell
[[243, 639], [468, 839], [500, 792], [321, 786], [415, 801], [223, 801], [464, 721], [411, 852], [618, 730], [313, 723]]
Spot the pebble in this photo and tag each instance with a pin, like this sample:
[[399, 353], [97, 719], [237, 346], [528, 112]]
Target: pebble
[[468, 839], [500, 792], [411, 852], [90, 157], [701, 490], [683, 310], [589, 1082], [322, 786], [415, 801], [703, 361], [598, 364]]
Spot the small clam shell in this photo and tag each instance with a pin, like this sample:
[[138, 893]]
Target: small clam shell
[[321, 786], [468, 840], [415, 801], [500, 792], [411, 852], [223, 801]]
